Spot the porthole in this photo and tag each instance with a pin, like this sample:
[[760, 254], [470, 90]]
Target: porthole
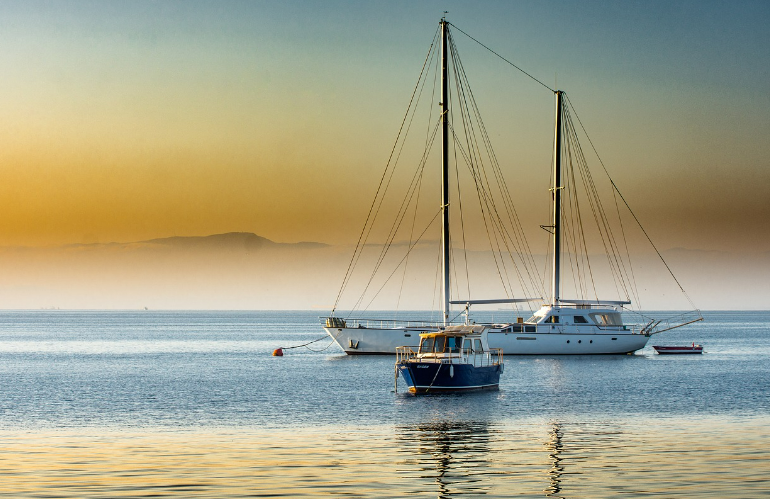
[[591, 341], [567, 341], [580, 341]]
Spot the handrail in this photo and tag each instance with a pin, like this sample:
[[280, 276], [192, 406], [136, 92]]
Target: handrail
[[653, 327], [673, 322], [490, 357], [379, 323]]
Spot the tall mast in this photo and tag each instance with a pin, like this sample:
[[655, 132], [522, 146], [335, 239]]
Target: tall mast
[[557, 187], [444, 172]]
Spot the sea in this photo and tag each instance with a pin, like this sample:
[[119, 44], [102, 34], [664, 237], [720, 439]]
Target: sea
[[108, 404]]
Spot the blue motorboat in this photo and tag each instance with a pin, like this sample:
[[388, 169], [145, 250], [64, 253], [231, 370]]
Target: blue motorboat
[[453, 359]]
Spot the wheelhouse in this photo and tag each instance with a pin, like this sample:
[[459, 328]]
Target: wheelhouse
[[601, 317]]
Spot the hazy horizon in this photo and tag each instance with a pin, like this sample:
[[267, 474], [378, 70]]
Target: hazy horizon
[[243, 271], [130, 122]]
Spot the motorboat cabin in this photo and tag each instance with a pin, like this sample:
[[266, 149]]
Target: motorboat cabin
[[457, 358]]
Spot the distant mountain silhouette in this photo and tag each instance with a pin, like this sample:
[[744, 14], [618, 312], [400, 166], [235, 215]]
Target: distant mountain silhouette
[[241, 270], [228, 241]]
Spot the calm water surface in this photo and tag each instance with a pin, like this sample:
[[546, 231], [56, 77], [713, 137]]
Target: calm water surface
[[192, 404]]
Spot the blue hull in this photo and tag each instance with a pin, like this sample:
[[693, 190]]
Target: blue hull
[[431, 377]]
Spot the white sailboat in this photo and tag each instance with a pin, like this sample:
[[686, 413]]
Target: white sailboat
[[560, 326]]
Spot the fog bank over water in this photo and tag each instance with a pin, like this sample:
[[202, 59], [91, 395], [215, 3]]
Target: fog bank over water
[[246, 271]]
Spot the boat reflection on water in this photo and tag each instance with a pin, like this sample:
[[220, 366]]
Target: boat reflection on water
[[453, 454], [554, 447]]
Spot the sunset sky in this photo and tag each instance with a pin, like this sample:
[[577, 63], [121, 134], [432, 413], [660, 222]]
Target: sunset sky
[[125, 121]]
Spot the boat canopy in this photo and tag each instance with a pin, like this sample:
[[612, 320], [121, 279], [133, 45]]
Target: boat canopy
[[593, 302], [493, 301], [460, 330]]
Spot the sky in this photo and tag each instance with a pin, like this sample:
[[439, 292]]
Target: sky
[[126, 121]]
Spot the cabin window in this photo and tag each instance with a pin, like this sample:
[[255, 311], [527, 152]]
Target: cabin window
[[453, 344], [579, 319], [554, 319], [608, 319], [426, 345], [467, 345], [477, 346], [440, 344]]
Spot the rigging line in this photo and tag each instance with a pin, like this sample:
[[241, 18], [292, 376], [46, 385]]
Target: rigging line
[[397, 223], [572, 228], [497, 223], [483, 197], [584, 244], [547, 271], [637, 312], [507, 201], [637, 300], [467, 130], [520, 242], [614, 256], [404, 206], [577, 212], [433, 305], [601, 223], [596, 206], [453, 59], [583, 240], [411, 238], [629, 207], [505, 195], [399, 218], [622, 272], [458, 315], [428, 142], [474, 152], [623, 269], [570, 204], [462, 221], [501, 57], [411, 247], [575, 230], [353, 260]]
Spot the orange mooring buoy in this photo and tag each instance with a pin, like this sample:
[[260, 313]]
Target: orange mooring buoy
[[278, 352]]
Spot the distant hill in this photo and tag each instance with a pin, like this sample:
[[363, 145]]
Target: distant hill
[[241, 270], [245, 240], [216, 242]]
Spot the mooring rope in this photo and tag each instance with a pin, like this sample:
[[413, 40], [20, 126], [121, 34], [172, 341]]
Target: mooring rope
[[434, 378], [309, 343]]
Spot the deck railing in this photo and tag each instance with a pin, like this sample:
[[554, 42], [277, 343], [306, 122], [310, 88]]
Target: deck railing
[[517, 328], [658, 326], [338, 322], [491, 357]]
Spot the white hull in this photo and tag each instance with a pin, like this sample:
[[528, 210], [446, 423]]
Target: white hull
[[562, 341]]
